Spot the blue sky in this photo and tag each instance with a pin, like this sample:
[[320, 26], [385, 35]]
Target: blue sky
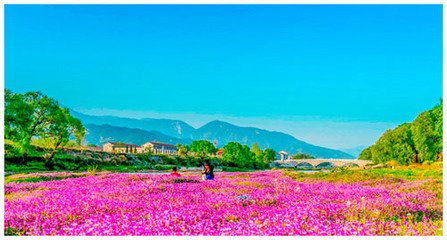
[[333, 75]]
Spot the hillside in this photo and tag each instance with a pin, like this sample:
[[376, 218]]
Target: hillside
[[174, 128], [417, 142], [225, 132], [100, 134]]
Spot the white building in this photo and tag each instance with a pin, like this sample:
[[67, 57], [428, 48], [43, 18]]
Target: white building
[[159, 148], [118, 147]]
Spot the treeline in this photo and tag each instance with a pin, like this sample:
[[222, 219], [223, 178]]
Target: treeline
[[33, 116], [416, 142], [233, 154]]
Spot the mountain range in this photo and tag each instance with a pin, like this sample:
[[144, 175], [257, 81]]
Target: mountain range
[[100, 134], [101, 129]]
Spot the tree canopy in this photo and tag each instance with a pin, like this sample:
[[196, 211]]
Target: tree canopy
[[182, 150], [416, 142], [237, 155], [202, 148], [302, 156], [34, 115]]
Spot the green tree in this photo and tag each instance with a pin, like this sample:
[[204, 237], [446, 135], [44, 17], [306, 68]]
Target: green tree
[[427, 132], [256, 150], [302, 156], [59, 127], [396, 145], [366, 154], [237, 155], [258, 161], [26, 115], [269, 155], [182, 150], [18, 117], [202, 148], [416, 142]]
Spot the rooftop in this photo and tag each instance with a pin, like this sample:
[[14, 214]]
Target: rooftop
[[120, 144]]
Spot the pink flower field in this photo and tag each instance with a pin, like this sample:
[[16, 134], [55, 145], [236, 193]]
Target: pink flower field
[[258, 203]]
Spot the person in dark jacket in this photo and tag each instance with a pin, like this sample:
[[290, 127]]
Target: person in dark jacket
[[208, 171]]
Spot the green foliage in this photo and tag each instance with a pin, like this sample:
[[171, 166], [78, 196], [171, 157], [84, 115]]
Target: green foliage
[[269, 155], [302, 156], [395, 145], [30, 166], [34, 115], [60, 126], [427, 132], [258, 161], [431, 172], [234, 169], [182, 150], [202, 148], [261, 159], [416, 142], [366, 154], [237, 155], [256, 150], [25, 117]]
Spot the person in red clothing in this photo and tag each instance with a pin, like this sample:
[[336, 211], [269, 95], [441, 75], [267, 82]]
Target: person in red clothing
[[174, 172]]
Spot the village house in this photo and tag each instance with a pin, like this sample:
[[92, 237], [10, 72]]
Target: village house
[[118, 147], [159, 148]]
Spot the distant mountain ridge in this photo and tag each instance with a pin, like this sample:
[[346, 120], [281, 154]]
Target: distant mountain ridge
[[100, 134], [225, 132], [174, 128], [138, 131]]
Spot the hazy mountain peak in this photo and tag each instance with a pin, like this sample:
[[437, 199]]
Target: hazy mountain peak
[[218, 123], [172, 131]]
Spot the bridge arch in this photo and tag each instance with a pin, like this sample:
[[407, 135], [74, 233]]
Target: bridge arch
[[325, 165], [350, 164], [293, 163], [304, 165]]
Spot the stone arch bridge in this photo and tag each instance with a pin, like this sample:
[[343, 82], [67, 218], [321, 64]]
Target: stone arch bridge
[[321, 162]]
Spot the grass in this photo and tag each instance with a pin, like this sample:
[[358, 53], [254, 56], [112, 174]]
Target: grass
[[412, 172], [40, 177], [25, 168]]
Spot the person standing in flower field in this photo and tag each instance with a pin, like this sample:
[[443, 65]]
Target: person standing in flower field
[[207, 171], [174, 172]]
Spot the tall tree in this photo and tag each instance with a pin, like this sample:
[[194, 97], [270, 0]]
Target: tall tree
[[60, 126], [256, 150], [25, 117], [202, 148], [18, 117], [416, 142], [427, 132], [182, 150], [258, 161], [366, 154], [269, 155], [236, 154], [396, 145]]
